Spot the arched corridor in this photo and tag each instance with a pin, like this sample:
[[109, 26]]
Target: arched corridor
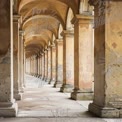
[[43, 100], [61, 58]]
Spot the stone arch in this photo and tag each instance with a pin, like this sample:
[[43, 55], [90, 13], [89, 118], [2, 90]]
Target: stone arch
[[59, 31], [84, 7], [70, 16]]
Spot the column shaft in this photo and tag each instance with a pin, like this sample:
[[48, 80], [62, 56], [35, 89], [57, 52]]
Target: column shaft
[[84, 55], [108, 60], [68, 61], [59, 63], [17, 94], [8, 107], [53, 51]]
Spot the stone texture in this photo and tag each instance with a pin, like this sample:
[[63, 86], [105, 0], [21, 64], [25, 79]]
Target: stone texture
[[68, 88], [9, 111], [17, 94], [108, 68], [8, 107], [46, 65], [104, 112], [68, 60], [84, 57], [59, 63], [79, 95]]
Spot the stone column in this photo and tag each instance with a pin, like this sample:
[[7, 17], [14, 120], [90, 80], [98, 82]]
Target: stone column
[[31, 65], [43, 66], [37, 65], [34, 66], [40, 60], [53, 67], [24, 65], [17, 94], [20, 61], [49, 65], [108, 60], [59, 63], [8, 107], [38, 68], [27, 66], [68, 61], [46, 64], [84, 57]]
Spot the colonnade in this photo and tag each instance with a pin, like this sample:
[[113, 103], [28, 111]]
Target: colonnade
[[73, 63]]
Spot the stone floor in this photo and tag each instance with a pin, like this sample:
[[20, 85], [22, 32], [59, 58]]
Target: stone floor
[[43, 103]]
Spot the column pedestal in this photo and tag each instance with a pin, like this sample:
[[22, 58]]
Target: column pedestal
[[58, 84], [8, 109], [17, 95], [105, 112], [66, 88], [80, 95]]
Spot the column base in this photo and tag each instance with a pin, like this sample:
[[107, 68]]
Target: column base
[[9, 111], [79, 95], [57, 84], [37, 76], [49, 81], [44, 79], [17, 96], [66, 88], [52, 82], [22, 90], [105, 112], [40, 77]]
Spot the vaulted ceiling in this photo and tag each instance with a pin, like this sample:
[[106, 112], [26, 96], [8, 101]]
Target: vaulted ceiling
[[41, 19]]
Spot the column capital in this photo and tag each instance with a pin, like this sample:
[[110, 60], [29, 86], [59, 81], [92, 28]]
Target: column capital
[[21, 32], [81, 18], [49, 47], [42, 54], [95, 2], [91, 2], [38, 55], [67, 33], [46, 49], [59, 41], [16, 18], [52, 45]]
